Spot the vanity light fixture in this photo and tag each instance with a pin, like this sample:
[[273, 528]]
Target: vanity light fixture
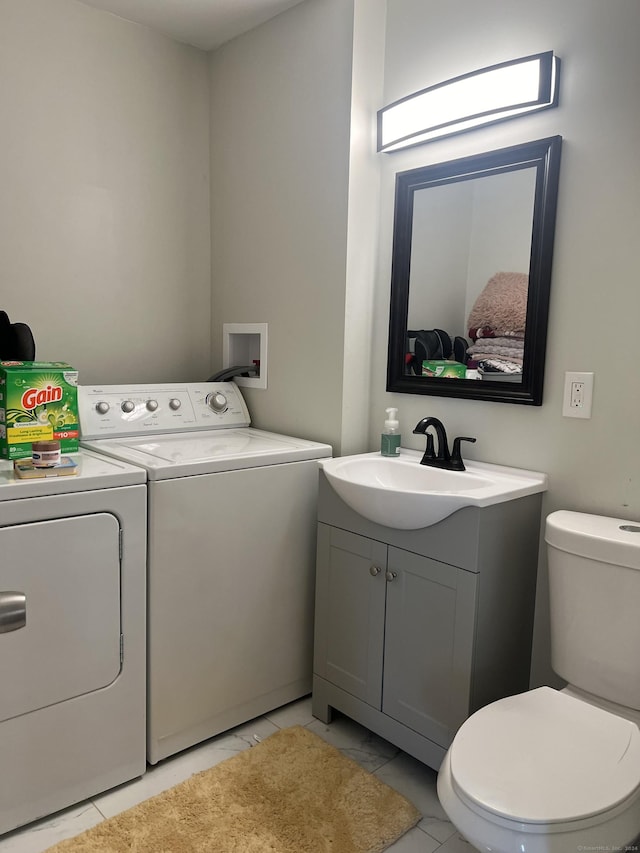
[[478, 98]]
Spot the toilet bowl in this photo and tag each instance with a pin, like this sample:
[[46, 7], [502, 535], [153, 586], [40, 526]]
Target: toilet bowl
[[543, 772], [558, 771]]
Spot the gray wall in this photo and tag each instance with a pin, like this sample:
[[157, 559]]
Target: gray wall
[[104, 209], [593, 465], [293, 176], [280, 105]]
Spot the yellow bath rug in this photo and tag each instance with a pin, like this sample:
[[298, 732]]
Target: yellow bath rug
[[292, 793]]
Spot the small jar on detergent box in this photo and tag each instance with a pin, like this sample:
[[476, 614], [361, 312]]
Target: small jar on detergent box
[[45, 454]]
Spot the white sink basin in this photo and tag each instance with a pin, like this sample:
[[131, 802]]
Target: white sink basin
[[399, 492]]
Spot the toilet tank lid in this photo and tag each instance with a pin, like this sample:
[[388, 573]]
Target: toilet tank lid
[[595, 537], [545, 757]]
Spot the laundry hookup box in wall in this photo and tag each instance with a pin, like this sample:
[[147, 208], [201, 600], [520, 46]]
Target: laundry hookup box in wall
[[38, 402]]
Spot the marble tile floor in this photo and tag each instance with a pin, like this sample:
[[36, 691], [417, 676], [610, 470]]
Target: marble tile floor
[[400, 771]]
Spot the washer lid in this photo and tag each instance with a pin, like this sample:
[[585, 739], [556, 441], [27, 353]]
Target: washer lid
[[545, 757], [170, 455]]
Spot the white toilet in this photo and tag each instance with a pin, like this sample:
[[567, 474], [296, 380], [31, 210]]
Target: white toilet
[[556, 771]]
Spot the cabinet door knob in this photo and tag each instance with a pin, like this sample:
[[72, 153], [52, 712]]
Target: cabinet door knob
[[374, 570], [390, 576]]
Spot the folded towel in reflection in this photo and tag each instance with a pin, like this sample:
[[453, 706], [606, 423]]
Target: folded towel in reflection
[[502, 304], [500, 365], [503, 347]]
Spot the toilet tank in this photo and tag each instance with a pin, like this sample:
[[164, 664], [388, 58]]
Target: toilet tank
[[594, 595]]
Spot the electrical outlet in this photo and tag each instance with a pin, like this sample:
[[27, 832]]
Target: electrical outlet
[[578, 395]]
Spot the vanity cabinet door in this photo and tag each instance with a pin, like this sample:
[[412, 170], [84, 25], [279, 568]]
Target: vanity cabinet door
[[350, 607], [429, 630]]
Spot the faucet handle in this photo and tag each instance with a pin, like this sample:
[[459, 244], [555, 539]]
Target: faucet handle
[[430, 452], [456, 457]]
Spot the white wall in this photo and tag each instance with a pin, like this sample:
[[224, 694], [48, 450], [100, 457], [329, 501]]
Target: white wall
[[440, 241], [104, 209], [362, 222], [290, 103], [280, 108], [501, 230], [593, 465]]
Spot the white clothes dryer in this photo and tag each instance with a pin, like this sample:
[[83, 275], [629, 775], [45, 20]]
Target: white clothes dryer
[[72, 635], [231, 553]]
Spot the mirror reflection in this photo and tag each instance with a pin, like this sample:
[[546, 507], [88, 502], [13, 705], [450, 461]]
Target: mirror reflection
[[473, 241], [469, 276]]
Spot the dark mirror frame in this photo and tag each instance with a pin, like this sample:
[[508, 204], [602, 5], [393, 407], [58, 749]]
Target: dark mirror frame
[[544, 156]]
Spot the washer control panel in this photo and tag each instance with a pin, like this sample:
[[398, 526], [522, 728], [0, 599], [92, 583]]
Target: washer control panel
[[110, 411]]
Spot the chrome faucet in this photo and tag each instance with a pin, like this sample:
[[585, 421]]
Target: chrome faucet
[[441, 459]]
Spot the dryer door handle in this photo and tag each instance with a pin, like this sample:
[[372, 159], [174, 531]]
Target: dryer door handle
[[13, 611]]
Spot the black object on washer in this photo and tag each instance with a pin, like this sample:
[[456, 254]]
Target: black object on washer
[[16, 340]]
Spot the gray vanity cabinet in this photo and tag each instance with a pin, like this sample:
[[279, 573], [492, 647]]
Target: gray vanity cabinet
[[428, 644], [410, 640], [350, 609], [394, 629]]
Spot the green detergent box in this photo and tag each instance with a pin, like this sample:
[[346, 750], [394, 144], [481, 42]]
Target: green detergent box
[[38, 402], [444, 369]]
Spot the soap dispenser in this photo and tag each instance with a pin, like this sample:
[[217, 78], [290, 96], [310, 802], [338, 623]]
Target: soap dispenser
[[390, 438]]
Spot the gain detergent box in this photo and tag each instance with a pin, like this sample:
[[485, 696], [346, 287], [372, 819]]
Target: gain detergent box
[[444, 369], [38, 402]]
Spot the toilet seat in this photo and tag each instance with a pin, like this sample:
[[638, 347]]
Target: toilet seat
[[544, 757]]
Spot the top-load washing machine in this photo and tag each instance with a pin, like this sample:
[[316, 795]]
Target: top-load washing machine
[[72, 635], [231, 553]]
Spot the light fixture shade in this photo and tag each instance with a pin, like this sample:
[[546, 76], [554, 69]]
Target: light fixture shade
[[481, 97]]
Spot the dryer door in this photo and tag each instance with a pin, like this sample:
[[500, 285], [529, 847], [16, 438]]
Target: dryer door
[[61, 633]]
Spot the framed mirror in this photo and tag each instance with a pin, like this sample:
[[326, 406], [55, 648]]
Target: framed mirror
[[471, 275]]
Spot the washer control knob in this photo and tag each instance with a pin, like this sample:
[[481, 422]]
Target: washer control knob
[[102, 408], [128, 406], [217, 401], [152, 405], [174, 404]]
